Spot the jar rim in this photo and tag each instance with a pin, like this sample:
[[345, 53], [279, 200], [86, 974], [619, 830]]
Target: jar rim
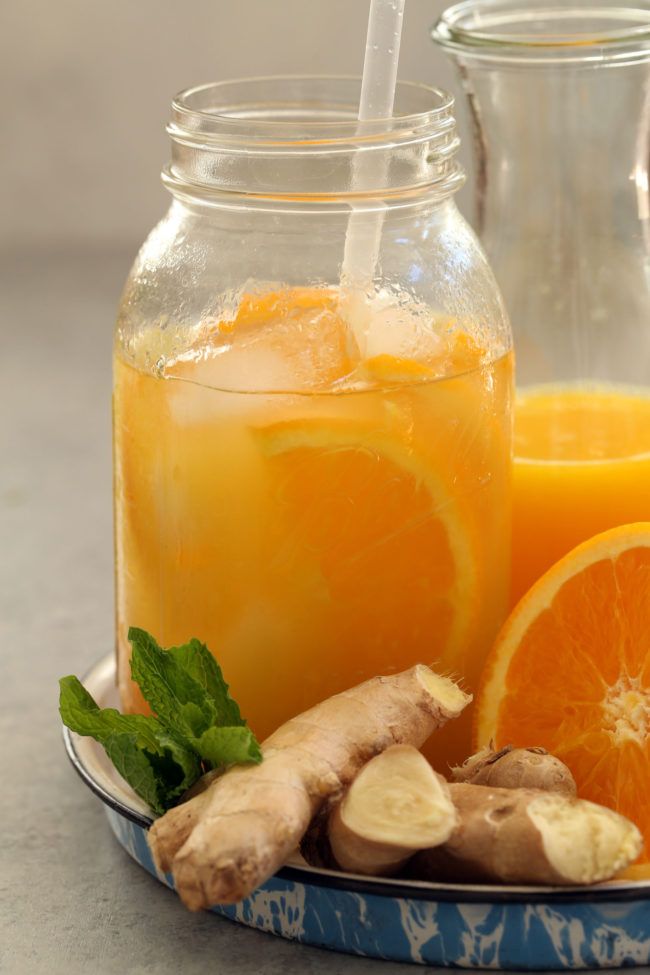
[[261, 110], [298, 138], [539, 30]]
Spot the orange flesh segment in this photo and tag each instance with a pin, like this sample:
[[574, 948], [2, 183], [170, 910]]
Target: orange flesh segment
[[380, 532]]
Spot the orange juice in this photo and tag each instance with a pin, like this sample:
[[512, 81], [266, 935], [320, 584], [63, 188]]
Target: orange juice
[[348, 522], [582, 465]]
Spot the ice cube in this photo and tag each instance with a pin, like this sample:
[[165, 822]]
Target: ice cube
[[288, 340], [403, 328]]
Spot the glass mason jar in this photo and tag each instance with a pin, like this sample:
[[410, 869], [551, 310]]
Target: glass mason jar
[[314, 482], [559, 99]]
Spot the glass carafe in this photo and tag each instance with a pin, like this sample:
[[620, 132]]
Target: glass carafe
[[559, 99], [318, 499]]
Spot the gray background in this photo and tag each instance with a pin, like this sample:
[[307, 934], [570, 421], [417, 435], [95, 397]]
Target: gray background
[[85, 94], [86, 90]]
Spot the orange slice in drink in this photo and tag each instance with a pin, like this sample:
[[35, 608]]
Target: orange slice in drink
[[570, 670], [380, 525]]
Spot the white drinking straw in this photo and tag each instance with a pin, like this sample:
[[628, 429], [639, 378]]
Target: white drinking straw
[[380, 62], [363, 235]]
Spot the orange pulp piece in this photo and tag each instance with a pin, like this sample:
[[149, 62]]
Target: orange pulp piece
[[570, 671], [257, 307]]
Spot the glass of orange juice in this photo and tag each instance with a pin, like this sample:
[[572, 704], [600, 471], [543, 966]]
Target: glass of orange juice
[[559, 96], [315, 483]]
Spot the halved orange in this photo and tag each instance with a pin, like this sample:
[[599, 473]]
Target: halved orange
[[570, 670]]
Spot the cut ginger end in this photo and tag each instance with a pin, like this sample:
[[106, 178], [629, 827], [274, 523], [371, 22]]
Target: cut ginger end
[[570, 671]]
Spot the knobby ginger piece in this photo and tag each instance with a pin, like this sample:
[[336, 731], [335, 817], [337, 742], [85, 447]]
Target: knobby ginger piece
[[255, 816], [515, 768], [170, 832], [526, 836], [396, 805]]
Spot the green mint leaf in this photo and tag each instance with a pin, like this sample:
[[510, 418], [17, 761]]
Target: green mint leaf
[[195, 658], [176, 698], [158, 765], [135, 766], [80, 712], [177, 767], [228, 746], [195, 726]]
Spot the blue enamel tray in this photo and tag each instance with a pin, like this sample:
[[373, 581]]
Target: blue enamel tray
[[477, 926]]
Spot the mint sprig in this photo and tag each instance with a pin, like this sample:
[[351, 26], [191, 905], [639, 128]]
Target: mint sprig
[[196, 726]]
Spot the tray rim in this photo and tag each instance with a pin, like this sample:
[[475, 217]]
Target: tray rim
[[612, 891]]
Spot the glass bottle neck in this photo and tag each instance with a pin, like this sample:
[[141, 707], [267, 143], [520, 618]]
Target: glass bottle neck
[[568, 148], [563, 210], [559, 95]]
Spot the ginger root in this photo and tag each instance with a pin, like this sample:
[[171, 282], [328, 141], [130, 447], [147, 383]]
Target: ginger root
[[396, 805], [526, 836], [229, 839], [513, 768]]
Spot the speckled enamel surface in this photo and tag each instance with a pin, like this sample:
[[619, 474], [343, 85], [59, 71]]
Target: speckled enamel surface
[[496, 935]]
